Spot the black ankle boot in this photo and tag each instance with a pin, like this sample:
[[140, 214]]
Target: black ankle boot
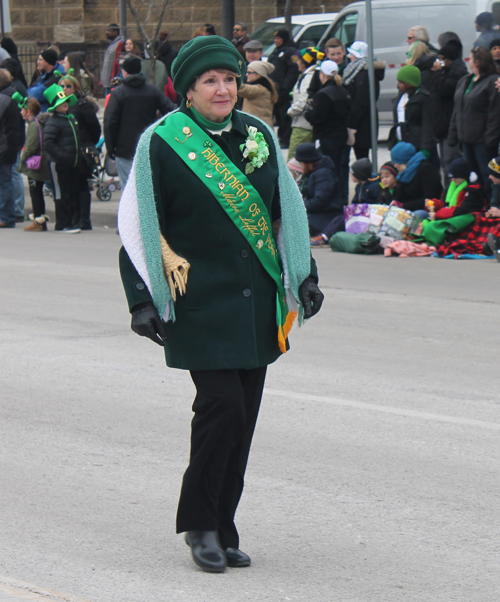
[[206, 550]]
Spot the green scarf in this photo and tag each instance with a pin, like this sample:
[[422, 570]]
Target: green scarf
[[453, 191], [210, 125]]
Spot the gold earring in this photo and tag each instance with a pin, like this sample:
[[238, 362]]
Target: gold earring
[[189, 104], [236, 98]]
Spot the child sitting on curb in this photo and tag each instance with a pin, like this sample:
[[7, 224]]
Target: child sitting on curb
[[367, 183], [463, 195], [387, 187]]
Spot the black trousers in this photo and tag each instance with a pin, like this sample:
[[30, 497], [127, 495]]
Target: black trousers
[[226, 407], [37, 198]]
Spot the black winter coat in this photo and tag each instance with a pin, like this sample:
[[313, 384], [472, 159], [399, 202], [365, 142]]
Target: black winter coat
[[131, 109], [426, 184], [61, 140], [286, 70], [321, 191], [15, 129], [85, 112], [11, 140], [359, 91], [418, 127], [476, 115], [442, 88], [425, 64], [330, 111]]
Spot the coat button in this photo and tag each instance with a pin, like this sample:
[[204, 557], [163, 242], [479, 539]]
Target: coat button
[[140, 286], [244, 253], [247, 292]]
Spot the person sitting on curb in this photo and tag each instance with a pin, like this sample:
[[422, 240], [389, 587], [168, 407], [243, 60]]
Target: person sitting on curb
[[367, 183], [417, 180], [388, 182], [320, 190], [464, 195]]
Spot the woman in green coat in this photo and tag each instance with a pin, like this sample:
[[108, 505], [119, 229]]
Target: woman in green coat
[[30, 110], [216, 265]]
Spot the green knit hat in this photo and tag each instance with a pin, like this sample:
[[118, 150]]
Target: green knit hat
[[202, 54], [410, 75]]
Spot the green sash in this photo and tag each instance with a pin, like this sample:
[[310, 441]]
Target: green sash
[[239, 199]]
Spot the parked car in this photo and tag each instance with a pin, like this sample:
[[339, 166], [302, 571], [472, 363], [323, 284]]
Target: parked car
[[391, 21], [307, 30]]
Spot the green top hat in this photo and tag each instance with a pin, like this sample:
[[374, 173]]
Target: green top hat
[[55, 96], [20, 99]]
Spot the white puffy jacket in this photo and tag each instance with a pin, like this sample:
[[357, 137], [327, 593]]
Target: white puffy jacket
[[297, 108]]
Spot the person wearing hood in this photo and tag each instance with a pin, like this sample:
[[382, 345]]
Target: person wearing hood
[[413, 112], [495, 51], [301, 128], [447, 70], [11, 142], [484, 25], [464, 195], [320, 188], [285, 75], [417, 179], [259, 94], [131, 109], [358, 87], [328, 116], [49, 75]]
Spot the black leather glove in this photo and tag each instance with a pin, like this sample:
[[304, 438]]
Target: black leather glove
[[146, 323], [311, 297]]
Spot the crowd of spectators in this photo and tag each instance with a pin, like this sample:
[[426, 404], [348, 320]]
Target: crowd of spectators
[[446, 113]]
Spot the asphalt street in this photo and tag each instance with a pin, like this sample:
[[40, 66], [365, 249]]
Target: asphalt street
[[374, 474]]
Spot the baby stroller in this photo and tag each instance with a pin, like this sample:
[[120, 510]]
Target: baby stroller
[[103, 166]]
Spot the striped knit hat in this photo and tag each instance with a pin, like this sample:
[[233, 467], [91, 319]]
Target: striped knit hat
[[494, 168], [310, 55]]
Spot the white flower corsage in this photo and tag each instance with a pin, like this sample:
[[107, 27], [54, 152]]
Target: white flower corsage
[[255, 149]]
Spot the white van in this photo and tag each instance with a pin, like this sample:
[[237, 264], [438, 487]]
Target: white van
[[391, 22], [307, 30]]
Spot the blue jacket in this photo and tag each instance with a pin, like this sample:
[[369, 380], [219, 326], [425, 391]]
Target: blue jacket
[[38, 88], [321, 191], [367, 192]]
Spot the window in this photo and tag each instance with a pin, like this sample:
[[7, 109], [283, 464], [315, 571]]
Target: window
[[345, 29], [312, 35]]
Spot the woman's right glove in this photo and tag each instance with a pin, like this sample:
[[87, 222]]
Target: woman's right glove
[[146, 323], [351, 137]]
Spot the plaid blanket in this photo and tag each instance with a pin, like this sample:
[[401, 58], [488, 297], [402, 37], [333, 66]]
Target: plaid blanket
[[472, 239]]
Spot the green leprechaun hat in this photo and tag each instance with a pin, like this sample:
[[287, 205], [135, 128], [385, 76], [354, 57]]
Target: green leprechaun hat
[[55, 96], [20, 99]]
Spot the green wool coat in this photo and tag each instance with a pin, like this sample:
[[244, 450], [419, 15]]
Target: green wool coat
[[32, 147], [227, 318]]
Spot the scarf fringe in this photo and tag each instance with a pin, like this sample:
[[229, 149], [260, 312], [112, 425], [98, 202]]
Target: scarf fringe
[[175, 268]]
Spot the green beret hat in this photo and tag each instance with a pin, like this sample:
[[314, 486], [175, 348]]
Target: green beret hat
[[410, 75], [202, 54]]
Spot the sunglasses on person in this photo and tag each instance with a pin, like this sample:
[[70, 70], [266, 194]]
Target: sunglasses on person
[[67, 86], [410, 38], [251, 72]]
